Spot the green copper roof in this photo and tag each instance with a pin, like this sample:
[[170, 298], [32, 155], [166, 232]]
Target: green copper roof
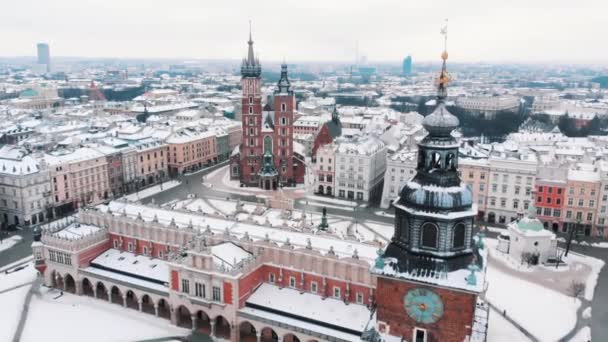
[[531, 224], [29, 93]]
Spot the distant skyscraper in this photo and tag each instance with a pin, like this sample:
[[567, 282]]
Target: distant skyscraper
[[44, 55], [407, 65]]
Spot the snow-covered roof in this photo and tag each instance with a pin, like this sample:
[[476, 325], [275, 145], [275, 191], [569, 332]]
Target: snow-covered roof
[[143, 266], [228, 254], [14, 161], [312, 308], [256, 232], [76, 230]]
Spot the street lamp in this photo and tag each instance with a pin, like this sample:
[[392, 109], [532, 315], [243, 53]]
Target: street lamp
[[571, 235]]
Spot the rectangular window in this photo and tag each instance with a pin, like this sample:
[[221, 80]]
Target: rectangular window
[[591, 203], [313, 287], [292, 282], [569, 214], [130, 247], [145, 250], [540, 189], [419, 335], [557, 213], [199, 290], [547, 212], [116, 243], [336, 292], [359, 298], [217, 295], [589, 216], [185, 286], [271, 278]]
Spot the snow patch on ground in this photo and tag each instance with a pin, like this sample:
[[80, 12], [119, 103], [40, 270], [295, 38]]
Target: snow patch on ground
[[12, 304], [587, 313], [501, 330], [525, 302], [88, 319], [153, 190], [596, 266], [23, 276], [583, 335], [10, 242]]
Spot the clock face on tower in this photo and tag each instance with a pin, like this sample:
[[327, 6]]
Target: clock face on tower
[[423, 305]]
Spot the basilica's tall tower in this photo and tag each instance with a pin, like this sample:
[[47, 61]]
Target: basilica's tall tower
[[251, 149]]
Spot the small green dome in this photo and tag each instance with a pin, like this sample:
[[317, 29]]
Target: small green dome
[[29, 93], [530, 222]]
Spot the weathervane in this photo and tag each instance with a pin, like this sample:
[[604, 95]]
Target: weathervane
[[444, 77]]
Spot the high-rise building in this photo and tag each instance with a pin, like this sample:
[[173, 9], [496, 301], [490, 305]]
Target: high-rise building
[[44, 55], [407, 65]]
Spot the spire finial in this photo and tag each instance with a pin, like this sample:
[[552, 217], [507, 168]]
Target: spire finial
[[250, 40], [444, 32], [444, 77]]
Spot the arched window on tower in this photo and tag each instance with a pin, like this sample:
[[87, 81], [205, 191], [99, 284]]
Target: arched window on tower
[[435, 160], [459, 236], [450, 162], [421, 160], [403, 228], [430, 235]]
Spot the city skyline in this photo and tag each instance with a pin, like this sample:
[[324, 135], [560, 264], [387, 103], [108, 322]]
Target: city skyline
[[387, 31]]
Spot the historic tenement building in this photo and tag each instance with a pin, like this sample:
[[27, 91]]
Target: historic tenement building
[[266, 157]]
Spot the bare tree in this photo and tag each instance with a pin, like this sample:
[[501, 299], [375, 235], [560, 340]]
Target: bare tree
[[576, 288]]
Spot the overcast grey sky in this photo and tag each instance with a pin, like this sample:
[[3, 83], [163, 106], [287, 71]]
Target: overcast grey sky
[[298, 30]]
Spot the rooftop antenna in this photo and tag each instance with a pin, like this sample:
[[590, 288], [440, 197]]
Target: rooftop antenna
[[357, 52]]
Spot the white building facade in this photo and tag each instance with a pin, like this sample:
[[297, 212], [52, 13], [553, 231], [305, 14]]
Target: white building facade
[[511, 185], [400, 168], [360, 168]]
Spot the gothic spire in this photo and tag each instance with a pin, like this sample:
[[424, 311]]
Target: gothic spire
[[335, 116], [283, 86], [250, 55], [251, 66]]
